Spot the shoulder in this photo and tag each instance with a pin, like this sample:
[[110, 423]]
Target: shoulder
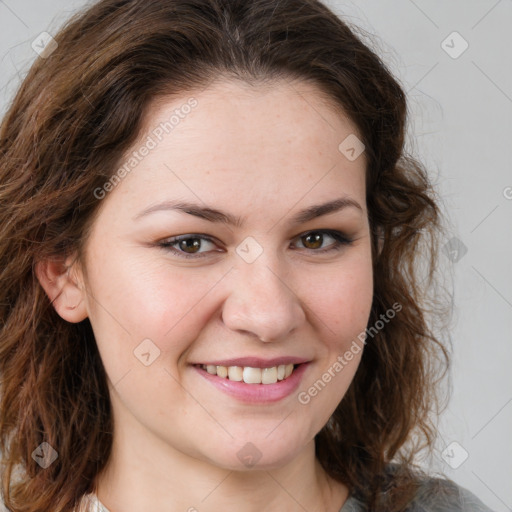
[[91, 503], [433, 494], [444, 495]]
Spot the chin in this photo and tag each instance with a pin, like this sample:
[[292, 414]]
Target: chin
[[257, 455]]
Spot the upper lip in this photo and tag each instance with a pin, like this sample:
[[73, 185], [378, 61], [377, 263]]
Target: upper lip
[[256, 362]]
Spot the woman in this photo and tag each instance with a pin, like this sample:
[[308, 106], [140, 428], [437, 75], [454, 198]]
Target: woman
[[209, 236]]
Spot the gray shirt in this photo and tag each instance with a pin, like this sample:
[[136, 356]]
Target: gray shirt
[[434, 495]]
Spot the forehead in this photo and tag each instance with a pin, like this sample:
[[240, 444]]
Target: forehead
[[277, 139], [232, 100]]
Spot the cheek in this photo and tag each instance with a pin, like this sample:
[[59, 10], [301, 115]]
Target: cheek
[[142, 298], [340, 301], [148, 298], [340, 298]]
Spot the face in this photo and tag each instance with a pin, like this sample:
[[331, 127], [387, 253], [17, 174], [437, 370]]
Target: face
[[208, 254]]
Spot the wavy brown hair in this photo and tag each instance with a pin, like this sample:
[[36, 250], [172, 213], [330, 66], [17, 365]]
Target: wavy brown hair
[[65, 133]]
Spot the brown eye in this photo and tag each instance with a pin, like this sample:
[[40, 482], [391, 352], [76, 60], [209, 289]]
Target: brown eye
[[312, 240], [316, 241], [190, 245]]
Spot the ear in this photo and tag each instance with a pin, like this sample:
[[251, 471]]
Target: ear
[[63, 283]]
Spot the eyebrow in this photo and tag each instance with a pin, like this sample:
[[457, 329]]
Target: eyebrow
[[214, 215]]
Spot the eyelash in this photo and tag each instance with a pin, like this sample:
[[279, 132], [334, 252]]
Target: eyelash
[[340, 241]]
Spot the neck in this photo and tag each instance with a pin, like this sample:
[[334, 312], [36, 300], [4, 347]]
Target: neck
[[150, 475]]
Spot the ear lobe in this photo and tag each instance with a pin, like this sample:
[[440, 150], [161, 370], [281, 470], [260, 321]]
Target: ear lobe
[[63, 287]]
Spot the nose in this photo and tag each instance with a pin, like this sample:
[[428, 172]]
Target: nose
[[261, 302]]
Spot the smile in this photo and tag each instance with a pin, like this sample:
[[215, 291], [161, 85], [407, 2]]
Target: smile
[[253, 384], [251, 375]]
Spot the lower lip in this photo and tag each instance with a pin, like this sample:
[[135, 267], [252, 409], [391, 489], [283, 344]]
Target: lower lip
[[257, 393]]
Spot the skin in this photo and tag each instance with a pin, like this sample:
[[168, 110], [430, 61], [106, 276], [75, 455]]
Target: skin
[[177, 437]]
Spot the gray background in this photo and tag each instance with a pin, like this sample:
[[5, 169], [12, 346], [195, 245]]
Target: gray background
[[461, 127]]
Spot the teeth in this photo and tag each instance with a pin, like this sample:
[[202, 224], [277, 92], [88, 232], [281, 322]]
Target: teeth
[[222, 371], [235, 373], [251, 375], [269, 375]]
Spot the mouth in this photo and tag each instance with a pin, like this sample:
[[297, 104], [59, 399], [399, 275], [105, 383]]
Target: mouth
[[256, 384], [250, 374]]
